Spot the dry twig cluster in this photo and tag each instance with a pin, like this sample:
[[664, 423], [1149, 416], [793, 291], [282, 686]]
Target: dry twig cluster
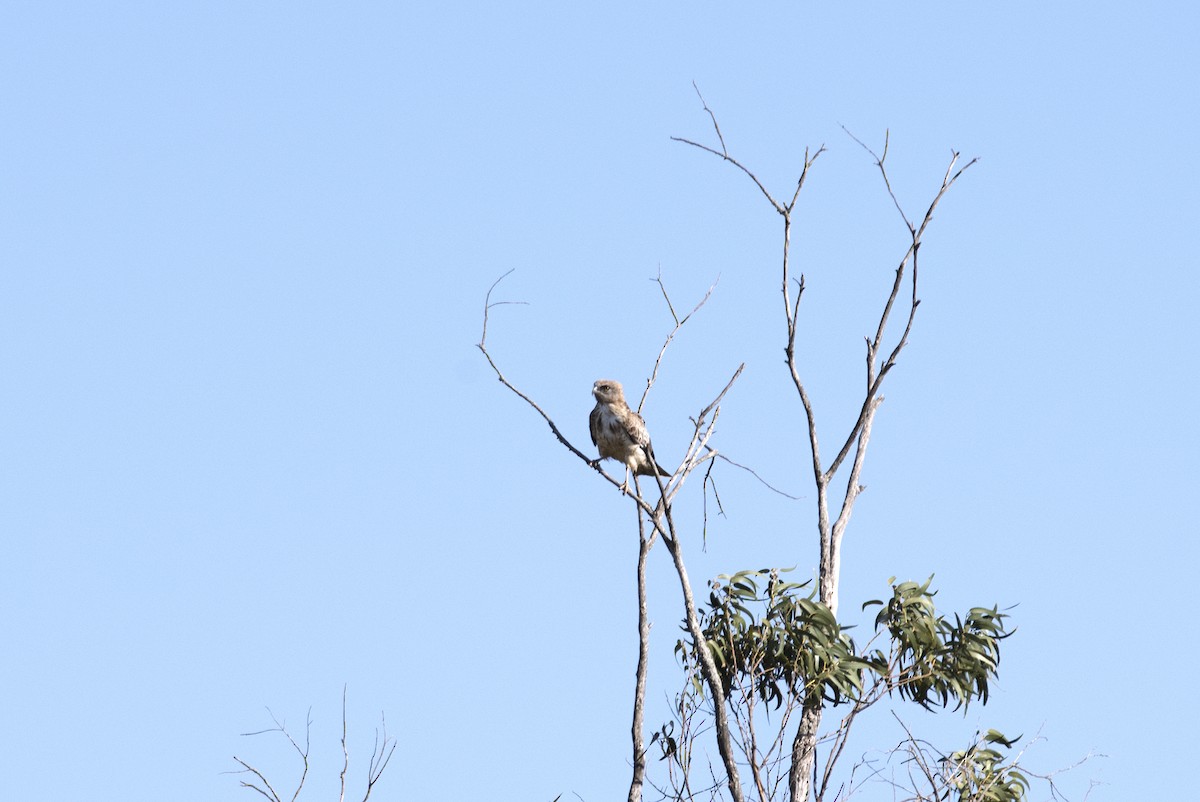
[[381, 755]]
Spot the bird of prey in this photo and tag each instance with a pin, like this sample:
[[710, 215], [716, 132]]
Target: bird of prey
[[620, 433]]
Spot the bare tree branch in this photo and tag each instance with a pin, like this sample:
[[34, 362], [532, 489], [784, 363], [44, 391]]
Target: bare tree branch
[[778, 207], [482, 346], [713, 117], [345, 753], [250, 769], [487, 304], [380, 757], [670, 336], [643, 664], [879, 160], [266, 789]]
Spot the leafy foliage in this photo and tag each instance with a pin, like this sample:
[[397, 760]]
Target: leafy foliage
[[773, 641], [934, 661], [979, 774], [786, 645]]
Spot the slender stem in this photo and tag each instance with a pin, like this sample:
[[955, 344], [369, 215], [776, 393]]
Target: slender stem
[[639, 695]]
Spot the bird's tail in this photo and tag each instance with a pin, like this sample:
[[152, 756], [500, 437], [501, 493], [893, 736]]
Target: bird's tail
[[645, 470]]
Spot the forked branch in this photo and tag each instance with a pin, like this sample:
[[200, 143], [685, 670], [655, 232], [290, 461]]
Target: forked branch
[[482, 346], [671, 335], [260, 783]]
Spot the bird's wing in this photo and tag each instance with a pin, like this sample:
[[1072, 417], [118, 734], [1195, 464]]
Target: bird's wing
[[594, 424], [636, 428]]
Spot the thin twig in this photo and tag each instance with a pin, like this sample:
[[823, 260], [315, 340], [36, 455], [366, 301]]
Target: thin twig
[[704, 412], [345, 752], [875, 379], [754, 473], [302, 752], [918, 755], [671, 335], [709, 481], [381, 755], [778, 206], [724, 153], [251, 770], [879, 160], [713, 117]]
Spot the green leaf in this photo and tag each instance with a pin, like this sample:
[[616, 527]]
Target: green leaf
[[996, 737]]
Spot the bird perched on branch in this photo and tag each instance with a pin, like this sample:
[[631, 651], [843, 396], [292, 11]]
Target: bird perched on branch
[[620, 433]]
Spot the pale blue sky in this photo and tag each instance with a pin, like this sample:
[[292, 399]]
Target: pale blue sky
[[251, 453]]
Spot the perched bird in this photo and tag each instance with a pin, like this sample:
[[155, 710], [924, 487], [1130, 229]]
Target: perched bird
[[620, 433]]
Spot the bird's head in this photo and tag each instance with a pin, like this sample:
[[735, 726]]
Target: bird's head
[[607, 391]]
